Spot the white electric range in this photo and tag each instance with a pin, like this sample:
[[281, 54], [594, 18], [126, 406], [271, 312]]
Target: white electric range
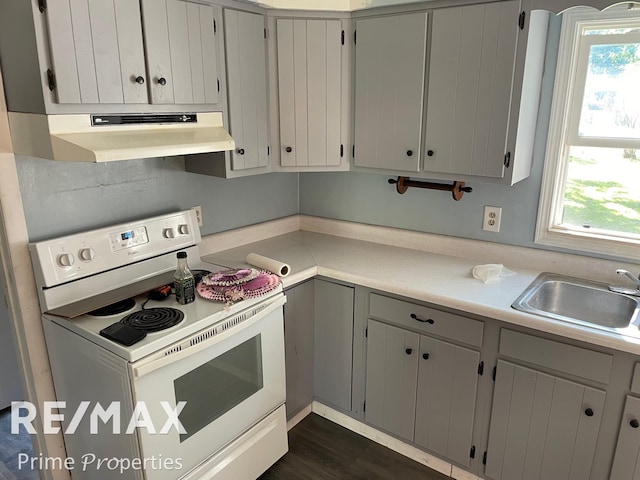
[[221, 367]]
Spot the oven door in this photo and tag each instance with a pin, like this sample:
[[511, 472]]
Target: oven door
[[229, 379]]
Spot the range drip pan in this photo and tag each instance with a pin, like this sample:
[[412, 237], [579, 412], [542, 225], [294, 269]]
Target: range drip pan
[[115, 308], [154, 319]]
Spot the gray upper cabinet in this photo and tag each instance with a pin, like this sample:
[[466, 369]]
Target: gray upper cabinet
[[97, 51], [119, 54], [470, 71], [182, 54], [541, 426], [245, 41], [310, 76], [389, 89]]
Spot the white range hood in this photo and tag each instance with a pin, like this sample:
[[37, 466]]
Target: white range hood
[[107, 138]]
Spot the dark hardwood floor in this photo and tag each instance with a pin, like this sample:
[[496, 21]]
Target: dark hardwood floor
[[322, 450]]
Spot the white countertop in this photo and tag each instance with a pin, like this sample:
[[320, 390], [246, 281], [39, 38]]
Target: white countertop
[[439, 279]]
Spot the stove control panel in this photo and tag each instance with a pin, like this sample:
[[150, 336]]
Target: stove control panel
[[60, 260], [128, 238]]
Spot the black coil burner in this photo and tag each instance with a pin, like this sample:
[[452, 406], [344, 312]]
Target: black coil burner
[[115, 308], [154, 319]]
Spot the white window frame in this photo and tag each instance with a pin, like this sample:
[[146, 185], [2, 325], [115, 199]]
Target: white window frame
[[555, 168]]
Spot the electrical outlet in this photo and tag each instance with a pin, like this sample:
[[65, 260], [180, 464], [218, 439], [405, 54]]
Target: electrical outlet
[[198, 210], [492, 216]]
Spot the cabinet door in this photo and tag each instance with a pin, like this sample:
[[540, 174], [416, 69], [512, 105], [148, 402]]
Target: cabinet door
[[247, 85], [446, 399], [309, 91], [389, 90], [542, 427], [333, 334], [392, 369], [470, 74], [299, 350], [626, 462], [181, 52], [97, 51]]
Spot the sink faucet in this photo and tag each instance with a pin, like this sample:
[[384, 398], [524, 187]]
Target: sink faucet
[[626, 290]]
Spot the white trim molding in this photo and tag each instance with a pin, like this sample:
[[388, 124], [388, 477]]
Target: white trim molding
[[548, 232]]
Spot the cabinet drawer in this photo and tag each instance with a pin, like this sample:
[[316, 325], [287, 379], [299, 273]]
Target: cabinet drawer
[[427, 320], [558, 356]]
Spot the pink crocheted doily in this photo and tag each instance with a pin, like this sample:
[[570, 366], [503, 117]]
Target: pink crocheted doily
[[227, 278], [260, 285]]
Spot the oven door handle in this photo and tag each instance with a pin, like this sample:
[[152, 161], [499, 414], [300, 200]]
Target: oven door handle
[[185, 349]]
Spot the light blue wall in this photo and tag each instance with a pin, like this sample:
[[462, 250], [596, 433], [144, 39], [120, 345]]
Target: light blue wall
[[368, 198], [65, 197]]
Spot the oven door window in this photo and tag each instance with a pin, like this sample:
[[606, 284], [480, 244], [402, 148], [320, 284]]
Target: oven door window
[[214, 388]]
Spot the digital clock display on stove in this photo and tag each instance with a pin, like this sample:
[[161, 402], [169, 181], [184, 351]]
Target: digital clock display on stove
[[128, 239]]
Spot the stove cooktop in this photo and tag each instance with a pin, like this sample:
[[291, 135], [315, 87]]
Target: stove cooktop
[[197, 315]]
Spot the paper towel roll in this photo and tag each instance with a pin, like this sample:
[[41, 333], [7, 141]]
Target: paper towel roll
[[266, 263]]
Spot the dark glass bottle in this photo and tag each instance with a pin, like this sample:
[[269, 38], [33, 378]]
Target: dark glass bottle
[[183, 281]]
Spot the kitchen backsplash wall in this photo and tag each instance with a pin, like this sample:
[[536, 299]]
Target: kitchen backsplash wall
[[368, 198], [64, 197]]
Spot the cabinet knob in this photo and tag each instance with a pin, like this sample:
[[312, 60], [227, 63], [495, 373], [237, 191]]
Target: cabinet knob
[[139, 80], [430, 153], [288, 149], [422, 320], [162, 81], [241, 151], [408, 351], [409, 153], [425, 356], [588, 412], [634, 423]]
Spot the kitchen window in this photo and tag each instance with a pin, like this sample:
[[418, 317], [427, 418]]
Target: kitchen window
[[590, 198]]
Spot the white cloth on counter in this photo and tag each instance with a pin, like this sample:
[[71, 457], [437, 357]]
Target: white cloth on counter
[[490, 271], [266, 263]]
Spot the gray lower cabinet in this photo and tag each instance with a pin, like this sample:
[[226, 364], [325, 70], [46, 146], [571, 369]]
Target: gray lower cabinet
[[421, 389], [446, 399], [542, 426], [299, 351], [392, 374], [626, 461], [333, 343]]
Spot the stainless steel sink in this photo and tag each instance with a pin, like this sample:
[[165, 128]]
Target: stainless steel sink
[[582, 302]]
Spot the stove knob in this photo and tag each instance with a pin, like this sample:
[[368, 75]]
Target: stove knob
[[183, 229], [65, 259], [168, 233], [87, 254]]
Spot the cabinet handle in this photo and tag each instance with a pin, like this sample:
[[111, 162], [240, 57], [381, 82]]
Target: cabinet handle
[[241, 151], [425, 356], [588, 412], [409, 153], [162, 81], [408, 351], [139, 80], [288, 149], [430, 153], [428, 320], [634, 423]]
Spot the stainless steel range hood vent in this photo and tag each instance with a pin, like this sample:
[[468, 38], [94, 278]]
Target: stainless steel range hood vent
[[107, 138]]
